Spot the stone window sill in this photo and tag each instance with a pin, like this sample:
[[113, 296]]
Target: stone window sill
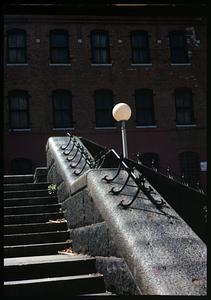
[[19, 130], [65, 128]]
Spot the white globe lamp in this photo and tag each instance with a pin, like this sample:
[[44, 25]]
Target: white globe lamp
[[121, 113]]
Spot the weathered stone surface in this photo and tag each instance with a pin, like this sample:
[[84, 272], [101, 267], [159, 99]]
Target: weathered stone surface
[[49, 158], [92, 239], [80, 210], [62, 192], [162, 252], [73, 211], [92, 214], [54, 175], [117, 277]]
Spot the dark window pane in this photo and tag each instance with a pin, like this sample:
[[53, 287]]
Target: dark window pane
[[16, 51], [140, 47], [12, 40], [103, 109], [59, 40], [144, 107], [18, 110], [19, 120], [178, 46], [20, 38], [100, 47], [184, 107], [59, 56], [20, 56], [59, 47], [62, 109]]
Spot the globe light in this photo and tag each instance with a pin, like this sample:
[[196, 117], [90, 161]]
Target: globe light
[[121, 113]]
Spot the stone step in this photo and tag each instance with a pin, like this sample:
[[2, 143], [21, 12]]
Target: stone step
[[26, 186], [56, 286], [30, 201], [32, 267], [94, 295], [18, 178], [35, 249], [18, 210], [35, 238], [34, 227], [32, 218], [22, 194]]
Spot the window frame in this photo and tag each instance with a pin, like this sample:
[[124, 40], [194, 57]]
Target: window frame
[[15, 93], [182, 109], [64, 48], [174, 49], [16, 48], [141, 49], [56, 93], [151, 110], [100, 48], [103, 110]]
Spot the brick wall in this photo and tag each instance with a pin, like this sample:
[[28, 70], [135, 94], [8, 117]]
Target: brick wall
[[82, 79]]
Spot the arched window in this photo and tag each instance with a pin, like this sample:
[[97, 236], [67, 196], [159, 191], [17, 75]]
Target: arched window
[[100, 47], [149, 159], [59, 46], [62, 109], [144, 107], [21, 166], [103, 108], [189, 167], [16, 46], [184, 106], [18, 109], [140, 47]]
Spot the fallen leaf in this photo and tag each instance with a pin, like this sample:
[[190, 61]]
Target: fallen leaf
[[57, 221]]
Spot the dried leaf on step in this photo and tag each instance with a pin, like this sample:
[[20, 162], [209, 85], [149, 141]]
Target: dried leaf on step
[[57, 221], [66, 250]]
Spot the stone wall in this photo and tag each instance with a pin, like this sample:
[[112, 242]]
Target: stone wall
[[140, 250], [89, 232]]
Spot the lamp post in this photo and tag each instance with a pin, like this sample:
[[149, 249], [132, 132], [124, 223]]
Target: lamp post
[[121, 113]]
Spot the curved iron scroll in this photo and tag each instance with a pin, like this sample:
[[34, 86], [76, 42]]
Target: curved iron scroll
[[139, 181], [63, 147]]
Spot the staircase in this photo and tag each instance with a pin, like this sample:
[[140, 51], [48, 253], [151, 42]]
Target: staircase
[[38, 259]]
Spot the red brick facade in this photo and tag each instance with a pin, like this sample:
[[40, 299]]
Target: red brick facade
[[40, 79]]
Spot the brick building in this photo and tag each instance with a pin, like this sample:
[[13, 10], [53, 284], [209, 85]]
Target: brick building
[[65, 72]]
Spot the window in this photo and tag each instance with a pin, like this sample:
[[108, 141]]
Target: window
[[184, 107], [140, 47], [16, 46], [144, 107], [100, 47], [18, 109], [20, 166], [178, 46], [62, 109], [103, 108], [150, 159], [189, 166], [59, 47]]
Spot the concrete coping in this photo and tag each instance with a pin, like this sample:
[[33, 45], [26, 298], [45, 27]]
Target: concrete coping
[[63, 166], [163, 254]]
